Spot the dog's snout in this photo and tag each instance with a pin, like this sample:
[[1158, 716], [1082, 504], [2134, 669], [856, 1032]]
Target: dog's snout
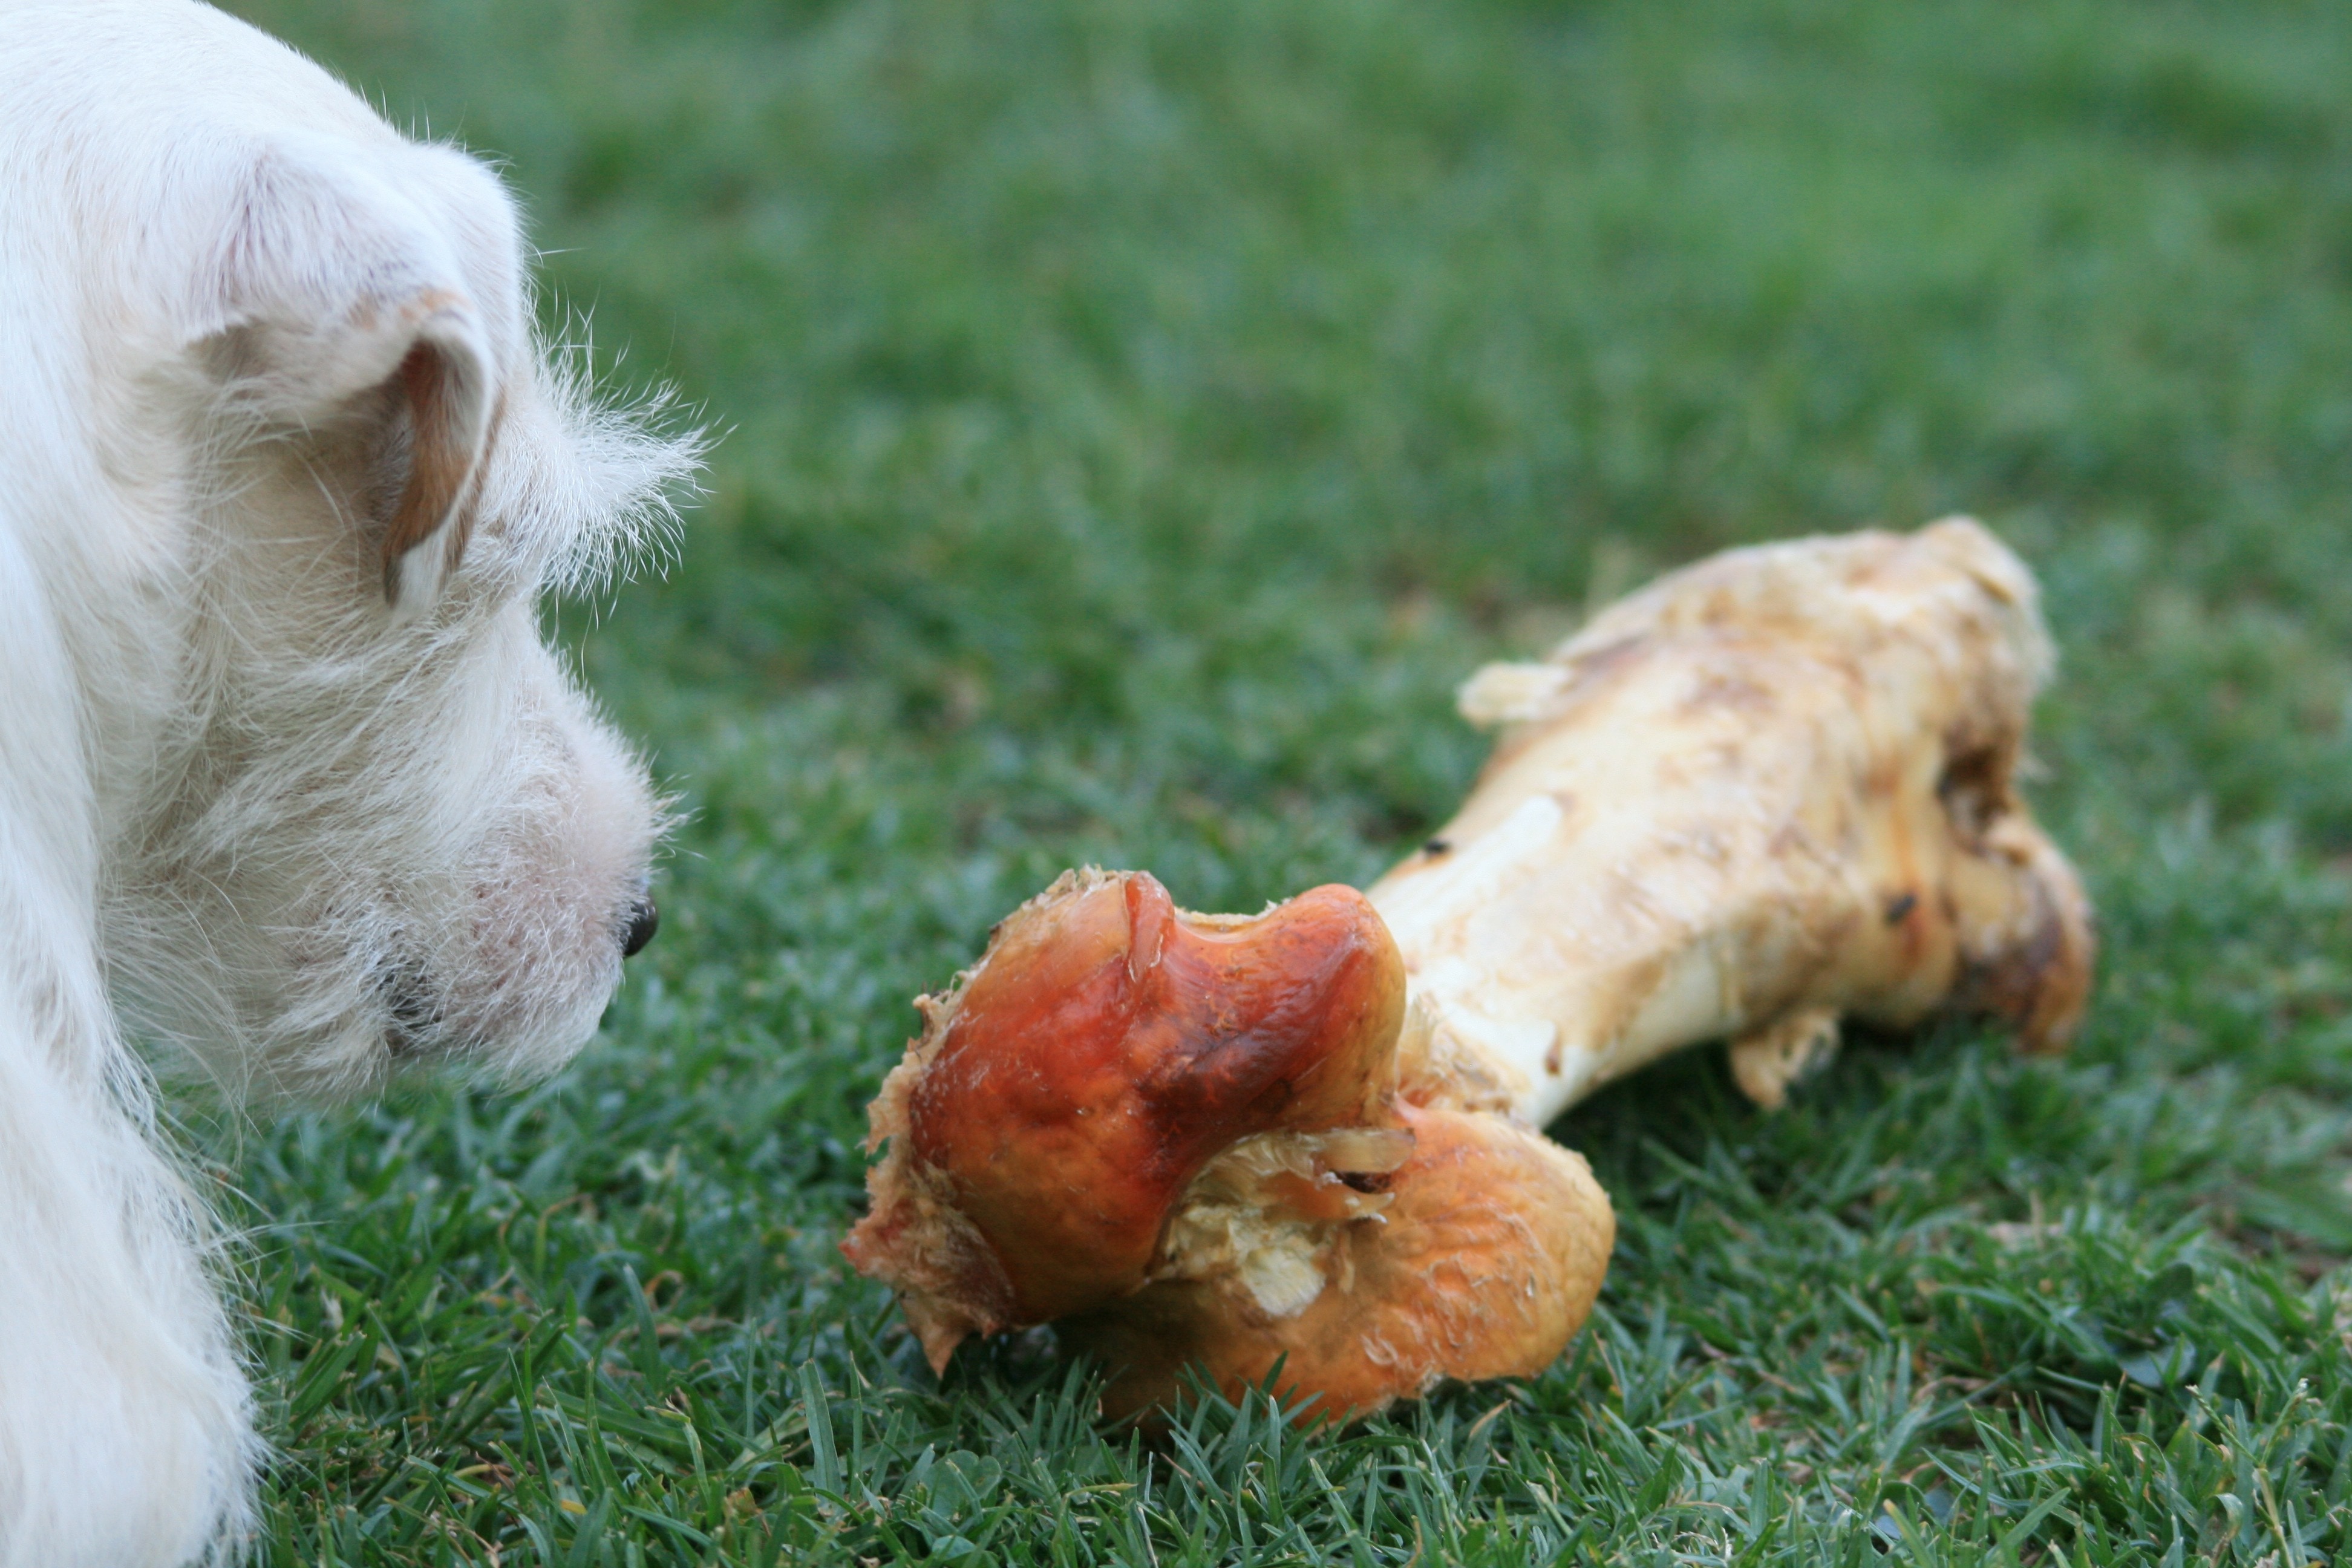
[[644, 920]]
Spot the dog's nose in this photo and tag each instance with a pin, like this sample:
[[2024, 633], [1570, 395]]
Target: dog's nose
[[644, 920]]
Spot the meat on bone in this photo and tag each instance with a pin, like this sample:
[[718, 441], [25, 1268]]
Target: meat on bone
[[1769, 792]]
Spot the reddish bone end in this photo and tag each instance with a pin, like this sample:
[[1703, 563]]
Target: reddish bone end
[[1186, 1131]]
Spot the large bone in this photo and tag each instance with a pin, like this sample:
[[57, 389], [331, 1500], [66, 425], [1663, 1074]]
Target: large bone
[[1771, 791]]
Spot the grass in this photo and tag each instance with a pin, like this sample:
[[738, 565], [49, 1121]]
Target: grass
[[1141, 412]]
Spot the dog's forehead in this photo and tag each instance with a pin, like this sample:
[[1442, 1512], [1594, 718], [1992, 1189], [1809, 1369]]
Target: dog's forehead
[[198, 173], [230, 214]]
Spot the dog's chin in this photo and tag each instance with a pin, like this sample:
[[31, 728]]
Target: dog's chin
[[497, 1038], [506, 1036]]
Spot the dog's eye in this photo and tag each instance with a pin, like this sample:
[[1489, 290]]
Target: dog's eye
[[644, 920]]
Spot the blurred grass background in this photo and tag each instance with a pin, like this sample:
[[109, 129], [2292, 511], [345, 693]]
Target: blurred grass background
[[1138, 415]]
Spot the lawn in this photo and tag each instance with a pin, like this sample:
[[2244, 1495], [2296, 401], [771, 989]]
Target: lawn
[[1138, 415]]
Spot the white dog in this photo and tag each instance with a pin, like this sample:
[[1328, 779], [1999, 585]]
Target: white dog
[[289, 783]]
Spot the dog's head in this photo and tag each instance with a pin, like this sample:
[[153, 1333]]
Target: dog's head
[[365, 819]]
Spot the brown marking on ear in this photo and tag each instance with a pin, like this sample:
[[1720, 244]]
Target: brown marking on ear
[[443, 474], [440, 466]]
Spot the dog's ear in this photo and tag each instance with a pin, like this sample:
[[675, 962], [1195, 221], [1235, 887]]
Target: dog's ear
[[336, 297], [445, 381]]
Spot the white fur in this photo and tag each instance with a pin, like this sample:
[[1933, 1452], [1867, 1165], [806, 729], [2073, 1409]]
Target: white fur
[[300, 809]]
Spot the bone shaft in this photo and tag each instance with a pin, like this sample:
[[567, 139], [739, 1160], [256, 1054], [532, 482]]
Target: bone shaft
[[1740, 803]]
